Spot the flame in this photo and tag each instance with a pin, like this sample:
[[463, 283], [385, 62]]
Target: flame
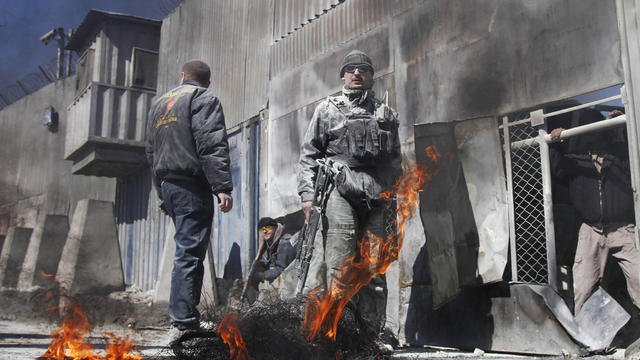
[[230, 334], [45, 275], [68, 342], [376, 253]]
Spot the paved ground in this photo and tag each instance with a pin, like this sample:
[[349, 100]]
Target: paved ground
[[23, 340]]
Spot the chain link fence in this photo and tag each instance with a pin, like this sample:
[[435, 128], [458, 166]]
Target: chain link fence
[[528, 207]]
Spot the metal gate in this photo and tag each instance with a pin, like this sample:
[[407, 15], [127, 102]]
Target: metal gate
[[526, 151]]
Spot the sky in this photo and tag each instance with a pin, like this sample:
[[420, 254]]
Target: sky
[[22, 22]]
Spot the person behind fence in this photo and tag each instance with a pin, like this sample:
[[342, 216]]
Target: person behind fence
[[359, 132], [189, 156], [275, 252], [596, 168]]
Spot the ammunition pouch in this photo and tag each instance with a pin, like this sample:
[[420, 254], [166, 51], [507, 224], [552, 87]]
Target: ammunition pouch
[[359, 188]]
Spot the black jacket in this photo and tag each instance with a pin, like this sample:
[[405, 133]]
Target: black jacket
[[601, 198], [187, 138], [276, 256]]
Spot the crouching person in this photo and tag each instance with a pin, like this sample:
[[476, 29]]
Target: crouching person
[[275, 253]]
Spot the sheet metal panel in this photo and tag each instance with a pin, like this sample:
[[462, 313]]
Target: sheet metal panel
[[338, 25], [223, 48], [142, 230], [234, 235], [291, 15], [510, 55], [258, 44]]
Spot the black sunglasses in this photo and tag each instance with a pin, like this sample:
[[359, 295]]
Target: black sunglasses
[[360, 67]]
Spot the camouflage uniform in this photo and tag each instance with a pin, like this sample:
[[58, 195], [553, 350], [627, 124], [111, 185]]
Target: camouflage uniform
[[361, 132]]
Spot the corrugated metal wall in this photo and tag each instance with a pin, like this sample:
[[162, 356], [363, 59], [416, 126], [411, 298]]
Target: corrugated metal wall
[[291, 15], [142, 230], [342, 22], [233, 37]]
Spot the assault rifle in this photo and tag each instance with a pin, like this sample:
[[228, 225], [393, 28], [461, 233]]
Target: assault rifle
[[322, 188]]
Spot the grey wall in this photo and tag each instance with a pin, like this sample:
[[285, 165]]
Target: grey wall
[[113, 50], [32, 169]]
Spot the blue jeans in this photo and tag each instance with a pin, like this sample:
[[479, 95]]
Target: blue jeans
[[190, 205]]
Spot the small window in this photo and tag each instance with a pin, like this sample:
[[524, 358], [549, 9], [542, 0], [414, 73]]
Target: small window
[[84, 70], [145, 68]]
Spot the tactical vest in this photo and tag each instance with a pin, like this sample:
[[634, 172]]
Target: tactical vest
[[368, 138]]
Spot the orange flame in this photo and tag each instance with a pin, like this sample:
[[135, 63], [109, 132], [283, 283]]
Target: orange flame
[[68, 342], [230, 334], [376, 253], [45, 275]]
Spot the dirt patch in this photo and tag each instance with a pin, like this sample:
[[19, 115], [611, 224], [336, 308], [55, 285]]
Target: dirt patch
[[131, 308]]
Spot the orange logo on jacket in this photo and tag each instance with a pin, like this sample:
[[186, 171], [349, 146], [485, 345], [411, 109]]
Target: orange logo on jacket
[[169, 105], [174, 96], [166, 118]]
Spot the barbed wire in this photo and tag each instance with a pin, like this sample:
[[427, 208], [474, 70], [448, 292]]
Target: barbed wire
[[33, 81]]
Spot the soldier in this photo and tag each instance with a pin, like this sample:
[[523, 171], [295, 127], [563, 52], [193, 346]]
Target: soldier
[[360, 132]]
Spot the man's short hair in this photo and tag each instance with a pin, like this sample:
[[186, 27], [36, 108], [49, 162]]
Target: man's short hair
[[267, 221], [197, 70]]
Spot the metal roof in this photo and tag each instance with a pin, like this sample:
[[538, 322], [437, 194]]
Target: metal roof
[[94, 19]]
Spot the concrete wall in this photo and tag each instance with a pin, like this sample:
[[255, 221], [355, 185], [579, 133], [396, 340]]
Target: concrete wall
[[37, 190], [32, 171]]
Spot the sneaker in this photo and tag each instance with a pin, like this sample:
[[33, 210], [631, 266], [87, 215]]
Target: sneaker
[[382, 347], [207, 326], [175, 335]]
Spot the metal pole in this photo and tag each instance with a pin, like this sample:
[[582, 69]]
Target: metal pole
[[512, 225], [634, 162], [548, 211], [69, 55], [60, 61], [578, 130], [629, 100]]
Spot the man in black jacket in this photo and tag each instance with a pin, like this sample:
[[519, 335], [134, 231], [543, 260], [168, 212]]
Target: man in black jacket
[[189, 157], [596, 170]]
